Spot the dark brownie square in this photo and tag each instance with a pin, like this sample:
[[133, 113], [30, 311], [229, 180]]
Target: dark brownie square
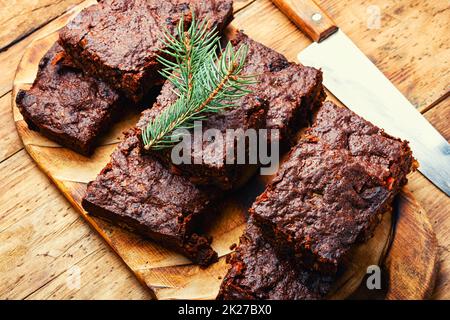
[[119, 40], [67, 106], [135, 191], [258, 271], [292, 91], [283, 99], [333, 188]]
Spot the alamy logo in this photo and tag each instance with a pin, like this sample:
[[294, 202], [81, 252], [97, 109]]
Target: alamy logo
[[232, 146], [374, 279], [73, 280], [373, 17]]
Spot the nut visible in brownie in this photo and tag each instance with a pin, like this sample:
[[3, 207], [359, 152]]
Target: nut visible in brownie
[[283, 99], [119, 41], [135, 191], [258, 271], [67, 106], [333, 188]]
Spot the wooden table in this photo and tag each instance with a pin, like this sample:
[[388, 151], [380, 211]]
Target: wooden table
[[43, 240]]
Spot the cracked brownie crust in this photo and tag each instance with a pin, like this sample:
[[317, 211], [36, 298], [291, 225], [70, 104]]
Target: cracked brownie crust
[[67, 106], [135, 191], [259, 271], [333, 189], [119, 40]]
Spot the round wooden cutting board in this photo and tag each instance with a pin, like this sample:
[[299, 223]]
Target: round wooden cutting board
[[404, 244]]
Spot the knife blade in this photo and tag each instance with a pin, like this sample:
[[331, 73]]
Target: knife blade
[[364, 89]]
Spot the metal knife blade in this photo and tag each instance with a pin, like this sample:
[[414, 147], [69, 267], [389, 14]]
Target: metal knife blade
[[364, 89]]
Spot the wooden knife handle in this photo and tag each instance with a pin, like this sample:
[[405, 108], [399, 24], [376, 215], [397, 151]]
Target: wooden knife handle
[[309, 17]]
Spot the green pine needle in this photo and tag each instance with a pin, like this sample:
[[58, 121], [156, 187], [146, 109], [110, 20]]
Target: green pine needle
[[204, 82]]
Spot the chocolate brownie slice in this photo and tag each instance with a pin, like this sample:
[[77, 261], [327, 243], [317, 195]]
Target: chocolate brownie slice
[[333, 188], [67, 106], [283, 99], [119, 41], [292, 91], [135, 191], [259, 271]]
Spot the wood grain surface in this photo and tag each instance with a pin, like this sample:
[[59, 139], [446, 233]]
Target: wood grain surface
[[414, 242], [37, 269], [19, 18]]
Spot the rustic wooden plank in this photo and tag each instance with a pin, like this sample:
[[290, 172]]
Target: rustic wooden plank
[[425, 191], [42, 236], [439, 116], [437, 203], [238, 5], [101, 277], [262, 21], [411, 46], [20, 18], [9, 59], [10, 142]]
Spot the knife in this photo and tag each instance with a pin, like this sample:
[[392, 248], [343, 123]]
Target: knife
[[364, 89]]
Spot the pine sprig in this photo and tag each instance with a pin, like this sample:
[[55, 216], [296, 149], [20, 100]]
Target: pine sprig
[[188, 49], [204, 82]]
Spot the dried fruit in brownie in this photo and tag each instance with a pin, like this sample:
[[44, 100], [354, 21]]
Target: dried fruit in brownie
[[333, 188], [67, 106]]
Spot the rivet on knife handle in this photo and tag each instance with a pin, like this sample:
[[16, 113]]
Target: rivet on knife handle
[[309, 17]]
